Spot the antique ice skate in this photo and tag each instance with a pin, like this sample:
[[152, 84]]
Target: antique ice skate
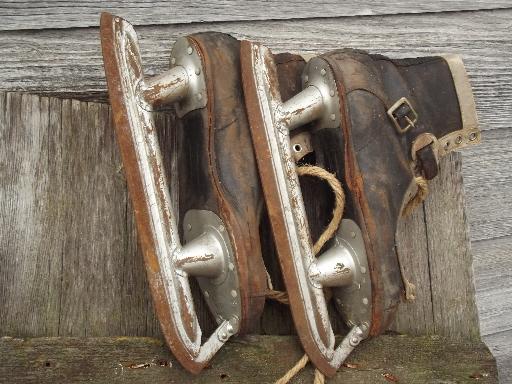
[[218, 187], [381, 127]]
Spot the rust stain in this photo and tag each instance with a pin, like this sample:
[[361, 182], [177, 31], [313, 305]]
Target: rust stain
[[390, 377], [122, 65]]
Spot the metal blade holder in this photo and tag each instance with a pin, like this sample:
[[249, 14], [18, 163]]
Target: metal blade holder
[[342, 267], [208, 254]]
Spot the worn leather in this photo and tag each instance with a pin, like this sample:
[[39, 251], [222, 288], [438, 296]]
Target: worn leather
[[217, 167], [373, 160]]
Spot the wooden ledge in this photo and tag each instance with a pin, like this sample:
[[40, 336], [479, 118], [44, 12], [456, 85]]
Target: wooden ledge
[[252, 359]]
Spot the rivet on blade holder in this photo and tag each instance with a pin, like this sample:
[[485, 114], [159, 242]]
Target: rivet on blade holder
[[353, 301], [184, 53], [318, 73], [221, 293]]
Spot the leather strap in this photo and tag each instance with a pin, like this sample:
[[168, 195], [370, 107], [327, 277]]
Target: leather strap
[[427, 162]]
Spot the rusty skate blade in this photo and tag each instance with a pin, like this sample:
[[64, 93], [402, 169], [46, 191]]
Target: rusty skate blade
[[304, 274], [208, 254]]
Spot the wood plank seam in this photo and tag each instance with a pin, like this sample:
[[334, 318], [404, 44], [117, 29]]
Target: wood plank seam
[[53, 14]]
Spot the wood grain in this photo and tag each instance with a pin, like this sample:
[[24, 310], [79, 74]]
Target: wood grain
[[16, 15], [453, 301], [488, 185], [500, 345], [65, 261], [415, 317], [68, 62], [493, 281], [254, 359], [94, 282], [31, 250]]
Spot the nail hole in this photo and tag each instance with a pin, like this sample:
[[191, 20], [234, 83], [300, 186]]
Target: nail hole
[[297, 148], [458, 140], [224, 376], [47, 364], [447, 145], [472, 136]]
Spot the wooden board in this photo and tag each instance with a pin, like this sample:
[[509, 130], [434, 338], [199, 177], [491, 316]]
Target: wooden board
[[488, 185], [16, 15], [70, 263], [68, 62], [500, 345], [448, 243], [493, 272], [432, 244], [254, 359]]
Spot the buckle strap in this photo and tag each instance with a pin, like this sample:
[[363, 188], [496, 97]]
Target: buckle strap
[[425, 155], [403, 115]]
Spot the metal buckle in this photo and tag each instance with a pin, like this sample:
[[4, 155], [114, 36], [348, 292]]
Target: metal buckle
[[208, 253], [403, 115], [305, 275]]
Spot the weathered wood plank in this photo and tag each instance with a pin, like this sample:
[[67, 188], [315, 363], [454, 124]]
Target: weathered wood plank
[[453, 293], [254, 359], [99, 283], [488, 185], [64, 243], [493, 281], [30, 251], [500, 345], [16, 15], [69, 61], [415, 317]]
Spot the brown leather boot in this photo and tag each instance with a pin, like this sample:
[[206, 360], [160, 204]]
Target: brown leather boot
[[398, 118], [217, 163]]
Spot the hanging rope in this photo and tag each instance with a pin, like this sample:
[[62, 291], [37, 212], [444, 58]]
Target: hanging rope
[[339, 202], [415, 201], [294, 370], [329, 231]]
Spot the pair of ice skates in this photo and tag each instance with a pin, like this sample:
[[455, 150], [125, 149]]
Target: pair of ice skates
[[248, 123]]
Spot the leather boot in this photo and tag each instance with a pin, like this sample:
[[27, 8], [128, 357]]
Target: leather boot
[[398, 118], [216, 159]]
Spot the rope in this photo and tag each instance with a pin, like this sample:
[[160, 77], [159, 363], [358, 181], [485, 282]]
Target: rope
[[416, 200], [329, 231], [294, 370], [279, 296], [319, 377], [421, 194], [339, 203]]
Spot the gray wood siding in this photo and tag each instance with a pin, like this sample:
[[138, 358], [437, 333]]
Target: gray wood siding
[[19, 14]]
